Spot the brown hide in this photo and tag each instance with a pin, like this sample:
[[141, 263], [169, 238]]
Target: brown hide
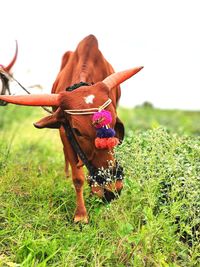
[[86, 64]]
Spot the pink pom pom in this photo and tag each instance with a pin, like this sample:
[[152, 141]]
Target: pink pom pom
[[101, 118]]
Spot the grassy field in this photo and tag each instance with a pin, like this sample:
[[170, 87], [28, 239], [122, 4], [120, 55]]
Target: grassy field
[[155, 222]]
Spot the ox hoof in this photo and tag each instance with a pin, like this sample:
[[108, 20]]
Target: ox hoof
[[81, 218]]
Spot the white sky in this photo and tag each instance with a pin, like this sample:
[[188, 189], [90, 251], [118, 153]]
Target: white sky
[[163, 36]]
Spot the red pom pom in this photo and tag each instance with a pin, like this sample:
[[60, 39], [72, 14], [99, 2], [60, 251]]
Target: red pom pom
[[108, 143], [100, 143], [112, 141]]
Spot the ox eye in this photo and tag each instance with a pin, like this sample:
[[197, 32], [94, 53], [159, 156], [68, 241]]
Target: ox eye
[[76, 131]]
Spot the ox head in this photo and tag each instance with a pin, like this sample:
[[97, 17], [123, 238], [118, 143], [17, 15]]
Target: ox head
[[4, 80], [81, 100]]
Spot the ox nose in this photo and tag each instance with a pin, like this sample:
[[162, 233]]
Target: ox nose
[[108, 193], [106, 188], [113, 191]]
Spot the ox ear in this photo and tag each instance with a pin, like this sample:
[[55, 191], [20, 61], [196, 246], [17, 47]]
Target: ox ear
[[47, 122], [119, 129], [53, 121]]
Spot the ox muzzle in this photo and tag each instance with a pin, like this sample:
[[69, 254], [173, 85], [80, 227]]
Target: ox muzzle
[[106, 183]]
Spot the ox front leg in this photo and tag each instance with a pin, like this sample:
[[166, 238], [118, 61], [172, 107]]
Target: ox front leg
[[66, 163], [78, 180]]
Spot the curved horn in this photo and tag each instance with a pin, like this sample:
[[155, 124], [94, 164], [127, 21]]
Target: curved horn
[[7, 69], [32, 100], [116, 78]]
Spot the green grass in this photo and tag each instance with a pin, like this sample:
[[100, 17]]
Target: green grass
[[155, 222], [182, 122]]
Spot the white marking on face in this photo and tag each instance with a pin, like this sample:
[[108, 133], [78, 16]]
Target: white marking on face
[[89, 99]]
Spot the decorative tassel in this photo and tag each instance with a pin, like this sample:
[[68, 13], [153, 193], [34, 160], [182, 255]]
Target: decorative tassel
[[101, 118], [105, 135], [103, 143], [112, 142], [105, 132]]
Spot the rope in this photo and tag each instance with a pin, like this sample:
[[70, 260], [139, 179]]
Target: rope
[[76, 147], [88, 111], [10, 77]]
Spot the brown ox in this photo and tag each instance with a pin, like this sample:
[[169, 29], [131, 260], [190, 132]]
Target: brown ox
[[4, 80], [71, 106]]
